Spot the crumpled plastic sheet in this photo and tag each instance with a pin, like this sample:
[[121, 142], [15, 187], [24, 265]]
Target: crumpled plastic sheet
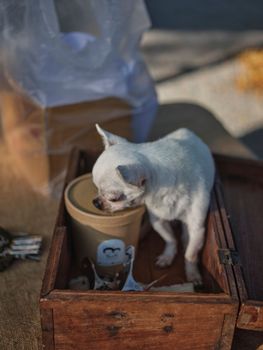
[[65, 52]]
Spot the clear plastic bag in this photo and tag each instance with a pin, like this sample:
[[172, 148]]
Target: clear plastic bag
[[96, 55], [60, 52]]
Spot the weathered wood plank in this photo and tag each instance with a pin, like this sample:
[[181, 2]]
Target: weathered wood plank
[[57, 297], [243, 194], [47, 324], [142, 325], [54, 258], [251, 316]]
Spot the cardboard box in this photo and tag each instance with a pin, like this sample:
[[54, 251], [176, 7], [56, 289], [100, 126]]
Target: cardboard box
[[40, 140]]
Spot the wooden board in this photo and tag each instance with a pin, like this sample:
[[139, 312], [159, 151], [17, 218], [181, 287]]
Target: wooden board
[[99, 320], [243, 191], [145, 269]]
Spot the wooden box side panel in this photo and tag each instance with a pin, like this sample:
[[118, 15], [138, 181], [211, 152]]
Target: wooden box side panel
[[58, 263], [242, 192], [229, 236], [212, 271], [249, 168], [47, 325], [220, 274], [153, 323]]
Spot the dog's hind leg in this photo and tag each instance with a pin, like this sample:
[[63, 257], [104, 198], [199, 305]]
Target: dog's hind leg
[[165, 230], [195, 243], [194, 231]]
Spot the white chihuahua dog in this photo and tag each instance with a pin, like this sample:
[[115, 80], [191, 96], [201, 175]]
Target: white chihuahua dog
[[172, 176]]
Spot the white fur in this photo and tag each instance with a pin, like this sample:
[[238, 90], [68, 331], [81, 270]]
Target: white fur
[[173, 176]]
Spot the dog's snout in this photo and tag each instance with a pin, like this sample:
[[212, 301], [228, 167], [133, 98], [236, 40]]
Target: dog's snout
[[97, 203]]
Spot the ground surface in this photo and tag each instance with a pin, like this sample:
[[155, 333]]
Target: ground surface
[[191, 53]]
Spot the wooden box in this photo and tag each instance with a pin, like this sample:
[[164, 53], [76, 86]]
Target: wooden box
[[233, 284]]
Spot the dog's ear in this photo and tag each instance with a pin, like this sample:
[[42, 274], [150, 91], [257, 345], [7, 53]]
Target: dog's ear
[[133, 174], [108, 138]]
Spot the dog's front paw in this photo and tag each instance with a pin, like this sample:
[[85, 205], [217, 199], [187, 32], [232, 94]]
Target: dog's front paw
[[166, 258], [192, 273]]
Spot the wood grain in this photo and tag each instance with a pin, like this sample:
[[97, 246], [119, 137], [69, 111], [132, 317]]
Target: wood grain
[[251, 316], [225, 226], [221, 276], [47, 325], [54, 258], [136, 325], [145, 269], [243, 192], [243, 167], [58, 296]]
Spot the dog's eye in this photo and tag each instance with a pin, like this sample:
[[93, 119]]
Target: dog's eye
[[116, 199]]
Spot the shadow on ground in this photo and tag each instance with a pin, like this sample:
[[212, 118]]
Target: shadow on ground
[[203, 122]]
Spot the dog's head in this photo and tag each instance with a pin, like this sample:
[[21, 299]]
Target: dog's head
[[119, 174]]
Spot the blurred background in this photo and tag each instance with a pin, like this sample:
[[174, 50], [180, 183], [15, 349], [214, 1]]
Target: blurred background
[[211, 52]]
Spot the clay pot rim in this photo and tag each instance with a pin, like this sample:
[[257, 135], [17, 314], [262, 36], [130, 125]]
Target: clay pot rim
[[103, 218]]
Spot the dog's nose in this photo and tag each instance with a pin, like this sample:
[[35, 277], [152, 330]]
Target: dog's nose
[[97, 203]]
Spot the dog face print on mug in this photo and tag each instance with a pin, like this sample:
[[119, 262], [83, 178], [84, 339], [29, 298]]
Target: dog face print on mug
[[111, 252]]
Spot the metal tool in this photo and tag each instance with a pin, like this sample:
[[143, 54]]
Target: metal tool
[[18, 246]]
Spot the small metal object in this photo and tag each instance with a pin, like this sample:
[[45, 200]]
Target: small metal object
[[228, 257], [19, 246], [103, 283]]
